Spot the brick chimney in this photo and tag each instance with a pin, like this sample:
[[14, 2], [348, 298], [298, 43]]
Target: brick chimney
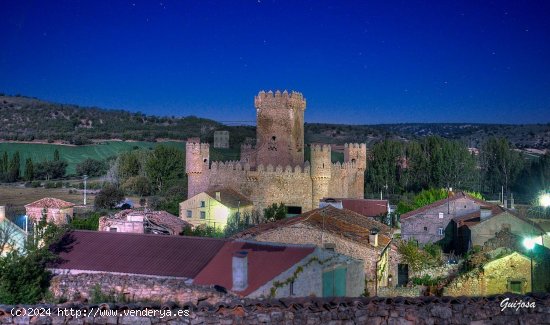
[[218, 196], [2, 212], [240, 270]]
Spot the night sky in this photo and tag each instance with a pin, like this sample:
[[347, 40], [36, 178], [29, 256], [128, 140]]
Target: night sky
[[359, 62]]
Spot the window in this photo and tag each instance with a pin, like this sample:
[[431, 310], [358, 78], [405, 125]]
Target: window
[[440, 231], [203, 204], [440, 215], [425, 228], [189, 214], [113, 229], [515, 286], [203, 215], [291, 289]]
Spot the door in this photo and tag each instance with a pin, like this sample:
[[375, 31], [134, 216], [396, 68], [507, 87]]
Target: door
[[402, 274], [334, 283]]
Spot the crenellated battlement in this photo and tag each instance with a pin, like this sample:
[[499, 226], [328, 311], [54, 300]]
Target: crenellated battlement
[[320, 148], [355, 145], [278, 100], [197, 146]]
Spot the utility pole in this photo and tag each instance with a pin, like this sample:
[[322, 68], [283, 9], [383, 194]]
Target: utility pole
[[85, 178]]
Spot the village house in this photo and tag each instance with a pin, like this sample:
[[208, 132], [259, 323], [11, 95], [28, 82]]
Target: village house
[[241, 268], [12, 237], [143, 222], [54, 210], [503, 264], [476, 228], [341, 230], [427, 224], [214, 207]]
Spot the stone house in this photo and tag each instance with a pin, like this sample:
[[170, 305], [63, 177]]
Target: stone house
[[506, 272], [214, 207], [428, 224], [274, 169], [143, 222], [55, 210], [476, 228], [241, 268], [341, 230]]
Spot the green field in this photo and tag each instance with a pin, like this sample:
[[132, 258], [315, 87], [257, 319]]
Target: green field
[[75, 154]]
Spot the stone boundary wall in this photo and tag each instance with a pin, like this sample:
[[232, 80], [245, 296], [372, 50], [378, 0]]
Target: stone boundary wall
[[133, 288], [427, 310]]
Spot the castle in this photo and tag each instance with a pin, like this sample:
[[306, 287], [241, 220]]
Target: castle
[[274, 170]]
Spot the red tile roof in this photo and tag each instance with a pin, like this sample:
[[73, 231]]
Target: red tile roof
[[265, 262], [157, 255], [452, 197], [341, 222], [49, 202], [368, 208]]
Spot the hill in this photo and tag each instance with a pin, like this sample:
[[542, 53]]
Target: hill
[[31, 119]]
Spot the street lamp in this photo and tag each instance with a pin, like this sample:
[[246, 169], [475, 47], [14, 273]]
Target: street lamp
[[529, 244], [544, 200]]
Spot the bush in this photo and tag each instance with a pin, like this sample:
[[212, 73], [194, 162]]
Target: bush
[[90, 222], [109, 196]]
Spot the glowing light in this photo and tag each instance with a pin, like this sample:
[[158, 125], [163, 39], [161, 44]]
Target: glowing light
[[529, 243], [544, 200]]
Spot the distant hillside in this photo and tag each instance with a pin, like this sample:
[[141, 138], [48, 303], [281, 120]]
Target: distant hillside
[[522, 136], [30, 119]]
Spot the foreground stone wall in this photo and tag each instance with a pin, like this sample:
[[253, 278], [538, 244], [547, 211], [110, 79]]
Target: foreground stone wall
[[426, 310], [132, 288]]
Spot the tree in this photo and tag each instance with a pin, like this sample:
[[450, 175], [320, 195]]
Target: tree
[[500, 164], [50, 169], [13, 171], [91, 167], [24, 278], [384, 170], [109, 196], [275, 212], [165, 164], [140, 185], [56, 155], [29, 170]]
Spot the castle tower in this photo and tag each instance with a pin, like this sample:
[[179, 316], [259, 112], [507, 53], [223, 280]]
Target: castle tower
[[280, 128], [357, 153], [320, 173], [197, 160]]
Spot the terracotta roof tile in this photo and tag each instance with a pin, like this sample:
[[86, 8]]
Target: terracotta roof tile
[[157, 255], [366, 207], [341, 222], [265, 262], [49, 202], [453, 197]]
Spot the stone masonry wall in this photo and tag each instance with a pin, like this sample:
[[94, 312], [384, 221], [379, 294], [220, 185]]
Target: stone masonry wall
[[304, 234], [407, 311], [424, 226], [133, 288]]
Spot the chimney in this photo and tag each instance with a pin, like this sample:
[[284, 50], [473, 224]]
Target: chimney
[[485, 213], [373, 237], [330, 246], [240, 270], [218, 196], [2, 213], [512, 207]]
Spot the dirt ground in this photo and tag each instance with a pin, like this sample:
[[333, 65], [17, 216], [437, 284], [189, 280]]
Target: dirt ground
[[19, 195]]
